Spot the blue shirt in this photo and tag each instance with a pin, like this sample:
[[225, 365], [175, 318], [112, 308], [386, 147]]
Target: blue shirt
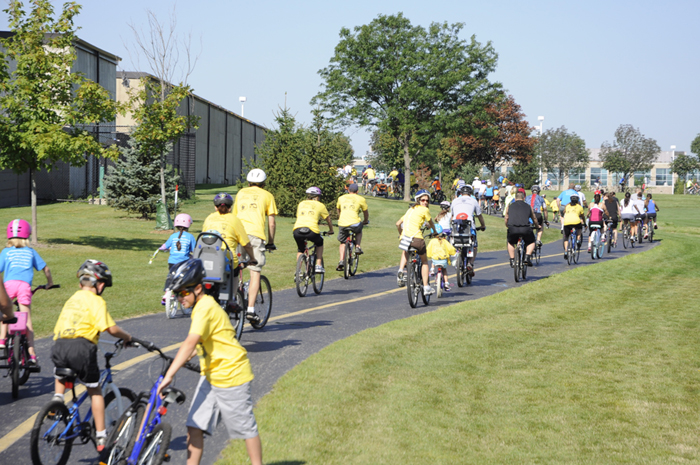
[[537, 206], [19, 264], [565, 197], [489, 192], [187, 243]]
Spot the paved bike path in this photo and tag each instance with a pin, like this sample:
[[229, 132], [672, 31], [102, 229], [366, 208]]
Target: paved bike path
[[298, 328]]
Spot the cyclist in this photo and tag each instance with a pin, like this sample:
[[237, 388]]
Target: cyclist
[[488, 194], [638, 202], [539, 206], [82, 319], [509, 198], [230, 228], [518, 218], [457, 184], [409, 227], [180, 244], [468, 205], [393, 178], [223, 391], [436, 186], [443, 218], [309, 212], [481, 194], [629, 212], [581, 196], [349, 207], [651, 208], [564, 199], [597, 211], [612, 205], [253, 204], [548, 184], [572, 220], [18, 262], [439, 251], [369, 176]]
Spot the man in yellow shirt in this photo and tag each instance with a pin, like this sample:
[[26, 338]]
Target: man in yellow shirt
[[394, 179], [349, 207], [223, 391], [252, 205], [409, 227], [309, 212], [83, 318], [573, 221], [228, 226]]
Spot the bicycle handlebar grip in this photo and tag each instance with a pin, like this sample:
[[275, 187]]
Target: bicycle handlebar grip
[[270, 247], [192, 367], [145, 344]]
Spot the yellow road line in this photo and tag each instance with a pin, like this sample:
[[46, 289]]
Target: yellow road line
[[26, 426]]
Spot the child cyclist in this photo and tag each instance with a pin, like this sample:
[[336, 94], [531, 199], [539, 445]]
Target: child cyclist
[[180, 244], [18, 262], [439, 250], [83, 318], [443, 218], [223, 391]]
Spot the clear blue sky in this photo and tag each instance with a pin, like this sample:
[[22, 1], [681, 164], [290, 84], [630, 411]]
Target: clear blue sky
[[589, 66]]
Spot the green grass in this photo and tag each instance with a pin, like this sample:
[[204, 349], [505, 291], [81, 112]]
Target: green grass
[[596, 365], [70, 233]]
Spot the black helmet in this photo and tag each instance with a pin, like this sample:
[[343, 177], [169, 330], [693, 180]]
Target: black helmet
[[188, 274], [96, 271], [535, 188], [574, 199], [467, 189], [223, 198]]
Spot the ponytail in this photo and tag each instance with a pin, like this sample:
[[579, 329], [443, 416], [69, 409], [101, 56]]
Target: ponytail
[[178, 245], [627, 199]]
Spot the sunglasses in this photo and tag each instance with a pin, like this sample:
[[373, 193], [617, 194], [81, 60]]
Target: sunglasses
[[184, 292], [424, 200]]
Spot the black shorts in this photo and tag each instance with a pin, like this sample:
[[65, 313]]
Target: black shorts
[[80, 355], [302, 235], [539, 218], [651, 215], [516, 233], [345, 231], [570, 227], [615, 221]]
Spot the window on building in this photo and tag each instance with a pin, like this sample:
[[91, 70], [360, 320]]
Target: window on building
[[663, 177], [554, 177], [577, 176], [601, 173], [509, 172], [485, 173], [642, 177]]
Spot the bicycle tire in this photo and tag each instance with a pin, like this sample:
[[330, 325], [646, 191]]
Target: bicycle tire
[[609, 239], [523, 265], [121, 440], [594, 247], [156, 445], [112, 414], [419, 273], [411, 286], [171, 305], [625, 237], [460, 266], [317, 279], [263, 303], [24, 361], [59, 418], [347, 261], [570, 254], [355, 261], [15, 363], [650, 231], [238, 317], [516, 263], [577, 252], [301, 278], [467, 274], [438, 284], [640, 233]]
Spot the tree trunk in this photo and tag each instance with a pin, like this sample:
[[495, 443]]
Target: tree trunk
[[407, 175], [162, 180], [32, 180]]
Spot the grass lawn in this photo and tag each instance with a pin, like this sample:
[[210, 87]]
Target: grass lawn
[[596, 365], [70, 233]]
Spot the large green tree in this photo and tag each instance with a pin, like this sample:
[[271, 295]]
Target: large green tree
[[684, 164], [406, 80], [561, 150], [629, 152], [45, 105], [695, 145]]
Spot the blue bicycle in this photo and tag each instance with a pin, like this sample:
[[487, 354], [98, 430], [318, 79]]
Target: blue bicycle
[[134, 441], [57, 426]]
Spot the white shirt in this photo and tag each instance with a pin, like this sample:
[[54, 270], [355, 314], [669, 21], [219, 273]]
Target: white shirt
[[465, 204], [476, 185], [629, 209], [581, 197], [482, 188]]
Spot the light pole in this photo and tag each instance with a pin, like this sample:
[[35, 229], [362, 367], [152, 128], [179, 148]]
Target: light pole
[[673, 158], [540, 119], [242, 100]]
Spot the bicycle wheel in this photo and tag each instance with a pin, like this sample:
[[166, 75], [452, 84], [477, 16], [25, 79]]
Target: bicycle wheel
[[467, 274], [570, 254], [121, 440], [426, 298], [594, 246], [461, 266], [239, 317], [608, 240], [438, 284], [156, 445], [625, 237], [301, 277], [411, 286], [640, 233], [577, 251], [24, 361], [15, 363], [650, 231], [347, 261], [523, 265], [171, 305], [45, 445], [112, 412], [516, 263], [263, 303], [317, 280], [355, 261]]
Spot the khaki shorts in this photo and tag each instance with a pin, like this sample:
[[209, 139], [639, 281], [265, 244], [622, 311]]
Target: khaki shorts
[[258, 246], [234, 405]]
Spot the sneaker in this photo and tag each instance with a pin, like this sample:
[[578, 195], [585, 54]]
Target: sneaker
[[2, 345], [589, 248], [566, 255], [100, 443], [470, 270], [512, 263], [358, 250], [539, 243], [252, 316], [57, 398], [528, 260], [32, 360], [427, 290], [603, 241], [655, 227], [340, 267], [162, 301], [447, 287], [432, 272], [646, 236], [401, 278], [319, 269]]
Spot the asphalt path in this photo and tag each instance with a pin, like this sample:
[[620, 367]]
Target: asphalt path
[[298, 328]]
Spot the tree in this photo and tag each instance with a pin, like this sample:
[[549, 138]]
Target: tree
[[561, 150], [684, 164], [630, 152], [46, 106], [494, 136], [405, 80], [133, 183], [695, 145], [525, 173]]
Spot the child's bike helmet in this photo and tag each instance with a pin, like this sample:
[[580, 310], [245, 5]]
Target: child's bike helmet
[[313, 191], [223, 199], [19, 229], [184, 220], [445, 204], [188, 274], [96, 271]]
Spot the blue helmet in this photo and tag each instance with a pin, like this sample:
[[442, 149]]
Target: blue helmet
[[223, 198], [420, 194]]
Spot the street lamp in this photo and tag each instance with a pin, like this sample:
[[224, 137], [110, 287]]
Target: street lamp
[[540, 119], [673, 158], [242, 100]]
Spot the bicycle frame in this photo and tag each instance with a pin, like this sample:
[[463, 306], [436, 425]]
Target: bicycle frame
[[146, 427]]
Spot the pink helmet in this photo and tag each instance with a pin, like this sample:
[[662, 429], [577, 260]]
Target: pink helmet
[[184, 220], [19, 228]]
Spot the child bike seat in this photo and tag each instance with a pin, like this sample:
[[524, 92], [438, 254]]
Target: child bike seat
[[172, 394]]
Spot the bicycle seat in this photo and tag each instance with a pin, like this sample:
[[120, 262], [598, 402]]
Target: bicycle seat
[[65, 373], [172, 394]]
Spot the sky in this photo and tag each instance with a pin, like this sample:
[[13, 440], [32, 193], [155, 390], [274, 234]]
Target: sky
[[589, 66]]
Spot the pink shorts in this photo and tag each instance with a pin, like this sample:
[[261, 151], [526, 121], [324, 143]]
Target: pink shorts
[[20, 290]]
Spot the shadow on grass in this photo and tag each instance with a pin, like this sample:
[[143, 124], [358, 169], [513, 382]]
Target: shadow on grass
[[111, 243]]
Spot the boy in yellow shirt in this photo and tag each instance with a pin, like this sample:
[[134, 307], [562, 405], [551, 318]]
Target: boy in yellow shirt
[[309, 212], [83, 318], [223, 391], [349, 207], [440, 250]]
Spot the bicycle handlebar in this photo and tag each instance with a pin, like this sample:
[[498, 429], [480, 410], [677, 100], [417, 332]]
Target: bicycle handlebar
[[151, 347], [43, 286]]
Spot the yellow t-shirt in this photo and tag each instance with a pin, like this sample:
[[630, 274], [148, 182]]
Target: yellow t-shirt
[[413, 221], [308, 214], [370, 173], [571, 214], [231, 230], [222, 359], [412, 179], [84, 315], [440, 249], [350, 206], [394, 174], [252, 205]]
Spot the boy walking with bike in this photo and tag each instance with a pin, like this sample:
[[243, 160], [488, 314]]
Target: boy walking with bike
[[224, 387], [349, 207], [83, 318]]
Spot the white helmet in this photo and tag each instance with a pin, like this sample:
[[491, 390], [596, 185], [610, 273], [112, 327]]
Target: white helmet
[[256, 175], [488, 183]]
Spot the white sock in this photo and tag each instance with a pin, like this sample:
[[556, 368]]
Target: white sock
[[59, 395], [251, 309], [101, 434]]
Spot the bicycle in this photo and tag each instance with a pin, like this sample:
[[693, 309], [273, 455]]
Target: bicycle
[[597, 244], [519, 265], [141, 437], [414, 279], [650, 229], [306, 270], [608, 236], [440, 273], [17, 348], [574, 248], [640, 228], [262, 304], [463, 240], [627, 235], [538, 246], [351, 258], [57, 426]]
